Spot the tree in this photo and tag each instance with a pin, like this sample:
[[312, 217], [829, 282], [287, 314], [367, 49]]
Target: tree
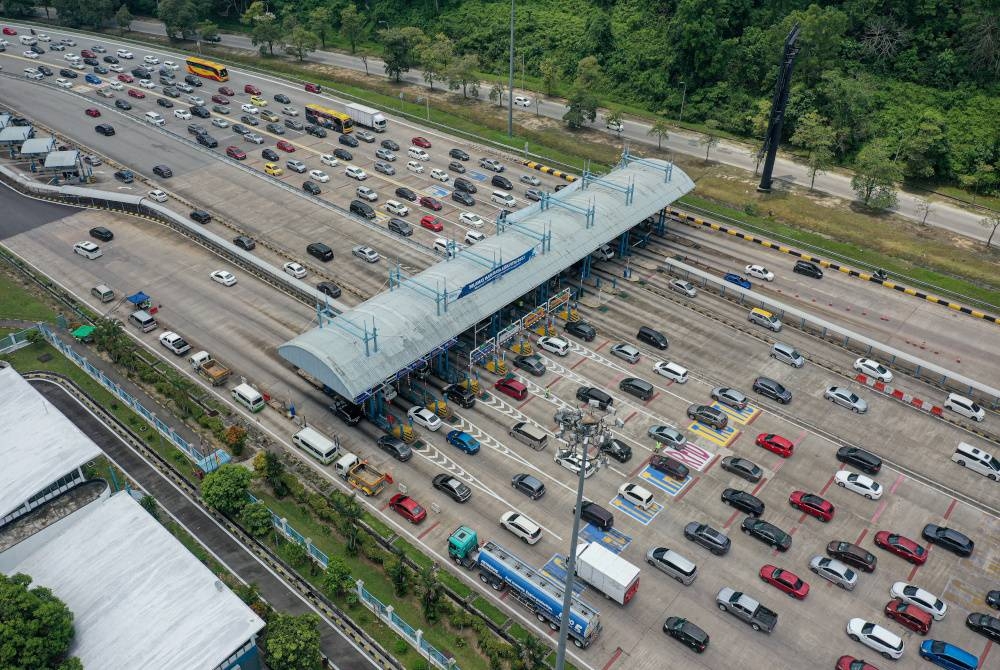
[[496, 93], [256, 518], [549, 69], [19, 8], [982, 178], [589, 74], [661, 130], [531, 653], [297, 554], [876, 175], [759, 121], [92, 13], [208, 29], [991, 222], [598, 39], [37, 626], [923, 208], [399, 575], [980, 33], [269, 467], [226, 489], [463, 73], [293, 642], [337, 578], [148, 503], [400, 45], [265, 29], [123, 18], [711, 136], [180, 17], [321, 20], [349, 513], [301, 42], [351, 24], [614, 119], [814, 134], [435, 55], [431, 594], [582, 107]]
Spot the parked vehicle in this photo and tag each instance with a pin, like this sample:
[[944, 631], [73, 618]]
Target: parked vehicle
[[746, 608], [607, 572], [209, 368]]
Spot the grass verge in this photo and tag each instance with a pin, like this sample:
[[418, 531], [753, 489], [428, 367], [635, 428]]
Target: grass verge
[[492, 612]]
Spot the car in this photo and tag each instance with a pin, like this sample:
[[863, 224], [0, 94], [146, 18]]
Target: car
[[860, 484], [207, 140], [224, 90], [965, 407], [157, 195], [530, 179], [407, 507], [668, 435], [125, 53], [573, 462], [984, 624], [440, 175], [743, 501], [244, 242], [739, 280], [581, 329], [395, 447], [249, 109], [686, 633], [767, 533], [282, 98], [251, 89], [384, 168], [292, 111], [366, 193], [364, 136], [254, 138], [709, 538], [182, 114], [948, 656], [626, 352], [532, 364], [759, 272], [69, 74], [770, 388], [431, 222], [7, 30], [164, 102], [451, 486], [415, 167], [295, 165], [390, 145], [491, 164], [328, 288], [92, 111], [285, 146], [91, 159], [116, 85], [174, 343], [458, 168], [528, 485], [421, 142], [295, 269], [464, 441], [993, 599], [808, 269], [164, 171], [87, 250], [708, 415], [903, 547], [785, 581], [908, 616], [274, 128], [200, 111], [125, 176], [852, 663], [834, 571], [861, 459], [193, 81], [315, 131], [811, 504], [355, 172], [872, 635], [223, 277], [742, 467], [671, 371], [845, 398], [730, 396], [512, 388], [293, 124], [343, 154], [553, 345], [172, 92], [406, 194], [533, 194], [310, 187], [29, 54], [424, 417], [348, 141], [617, 450], [147, 84], [463, 198], [185, 87], [116, 68], [874, 369], [852, 554], [240, 129], [400, 227], [236, 152], [365, 253], [396, 207], [329, 159], [123, 105], [126, 78], [319, 176], [220, 123], [501, 182], [270, 155]]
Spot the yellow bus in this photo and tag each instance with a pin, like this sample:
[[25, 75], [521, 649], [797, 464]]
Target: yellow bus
[[207, 69], [329, 118]]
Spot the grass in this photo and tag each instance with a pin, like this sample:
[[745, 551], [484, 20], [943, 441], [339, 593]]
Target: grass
[[490, 611], [455, 584], [518, 632], [413, 553], [193, 546], [17, 303], [375, 524]]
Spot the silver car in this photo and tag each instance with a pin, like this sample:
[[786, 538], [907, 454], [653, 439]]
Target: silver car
[[385, 154], [844, 398], [626, 352], [834, 571], [254, 138], [683, 287], [671, 437], [384, 168], [730, 396]]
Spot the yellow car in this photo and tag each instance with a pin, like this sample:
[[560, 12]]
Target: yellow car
[[269, 116], [258, 101], [273, 169]]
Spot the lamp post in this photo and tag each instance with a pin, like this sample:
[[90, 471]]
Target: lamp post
[[427, 103], [510, 77], [684, 91]]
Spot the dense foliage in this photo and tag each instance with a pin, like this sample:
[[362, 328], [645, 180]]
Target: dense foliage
[[36, 628]]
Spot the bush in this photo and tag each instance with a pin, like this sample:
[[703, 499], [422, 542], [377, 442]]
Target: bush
[[400, 647]]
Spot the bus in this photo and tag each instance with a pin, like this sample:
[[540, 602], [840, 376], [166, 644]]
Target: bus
[[207, 69], [329, 118]]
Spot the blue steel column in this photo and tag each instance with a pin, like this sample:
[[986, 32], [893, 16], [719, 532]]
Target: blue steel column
[[661, 222], [585, 268], [623, 248]]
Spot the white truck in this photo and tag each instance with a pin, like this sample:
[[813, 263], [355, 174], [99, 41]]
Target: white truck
[[360, 475], [209, 368], [367, 117], [607, 572]]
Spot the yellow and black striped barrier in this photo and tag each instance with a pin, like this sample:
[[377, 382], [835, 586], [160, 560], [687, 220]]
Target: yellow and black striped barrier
[[548, 170]]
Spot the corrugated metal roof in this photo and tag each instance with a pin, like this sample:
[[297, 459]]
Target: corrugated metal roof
[[16, 133], [408, 320], [62, 159], [38, 145]]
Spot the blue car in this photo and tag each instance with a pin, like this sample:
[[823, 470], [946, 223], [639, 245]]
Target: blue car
[[92, 79], [947, 655], [739, 280], [463, 441]]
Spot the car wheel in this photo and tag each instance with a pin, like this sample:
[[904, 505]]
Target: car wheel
[[886, 655], [525, 540], [717, 552], [868, 495], [746, 530], [854, 637], [842, 485], [842, 585], [723, 608]]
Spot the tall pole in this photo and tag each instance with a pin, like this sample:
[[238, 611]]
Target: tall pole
[[510, 77], [779, 103], [683, 97]]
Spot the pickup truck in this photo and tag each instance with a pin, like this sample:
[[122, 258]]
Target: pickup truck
[[360, 475], [743, 606], [209, 368]]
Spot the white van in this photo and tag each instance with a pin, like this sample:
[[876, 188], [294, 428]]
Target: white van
[[441, 247], [473, 236], [249, 397], [503, 198], [978, 460], [154, 118], [418, 153], [521, 526], [636, 495], [316, 444], [28, 40], [964, 406], [32, 73]]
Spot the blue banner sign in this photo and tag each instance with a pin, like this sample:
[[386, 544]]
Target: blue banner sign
[[496, 273]]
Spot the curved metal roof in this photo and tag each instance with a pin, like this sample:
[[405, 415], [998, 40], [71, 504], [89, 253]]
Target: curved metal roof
[[427, 310]]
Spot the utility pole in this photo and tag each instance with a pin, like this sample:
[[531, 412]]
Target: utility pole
[[778, 104], [684, 92], [510, 77]]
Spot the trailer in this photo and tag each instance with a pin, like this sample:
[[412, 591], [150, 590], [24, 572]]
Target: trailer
[[367, 117], [607, 572]]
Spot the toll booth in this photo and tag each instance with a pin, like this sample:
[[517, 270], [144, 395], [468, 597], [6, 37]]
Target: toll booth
[[13, 137], [64, 166], [35, 150]]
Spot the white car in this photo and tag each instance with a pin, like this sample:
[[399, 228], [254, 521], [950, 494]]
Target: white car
[[874, 369], [760, 272], [834, 572], [671, 370], [365, 253], [554, 345], [88, 250], [415, 166], [424, 417], [147, 83], [396, 207], [253, 138], [182, 114], [637, 495], [530, 180], [196, 100], [872, 635], [249, 109], [30, 54], [440, 175], [860, 484], [367, 194], [522, 101], [152, 60], [220, 122], [172, 65], [115, 67], [471, 219], [572, 462], [964, 406], [354, 172], [174, 342], [319, 176], [43, 37], [295, 270], [329, 159], [124, 53], [116, 86], [289, 111], [224, 277], [922, 600], [64, 83], [157, 195], [521, 526]]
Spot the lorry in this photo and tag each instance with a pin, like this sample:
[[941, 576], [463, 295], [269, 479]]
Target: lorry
[[501, 570], [743, 606], [367, 117], [360, 475], [607, 572], [209, 368]]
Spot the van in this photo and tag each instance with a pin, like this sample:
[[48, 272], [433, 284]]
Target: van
[[154, 118], [786, 353], [362, 209], [442, 247], [29, 40], [604, 253], [418, 153], [142, 320], [637, 495], [652, 337], [673, 564], [503, 199], [640, 388], [521, 526], [964, 406], [529, 434], [102, 293], [320, 251], [947, 655], [473, 236], [32, 73], [978, 460], [594, 514], [249, 397], [762, 317], [316, 444]]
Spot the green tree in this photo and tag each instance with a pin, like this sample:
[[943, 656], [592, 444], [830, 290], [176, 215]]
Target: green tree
[[875, 175], [550, 70], [710, 136], [337, 578], [293, 642], [351, 24], [614, 119], [598, 40], [991, 223], [399, 575], [981, 180], [463, 73], [92, 14], [208, 29], [180, 17], [661, 131], [400, 46], [531, 653], [256, 518], [226, 489], [296, 554], [123, 18], [148, 503], [19, 8], [922, 144], [37, 627], [265, 29], [814, 134], [435, 56], [589, 74], [582, 107], [320, 22], [301, 43], [431, 594], [822, 32], [496, 93]]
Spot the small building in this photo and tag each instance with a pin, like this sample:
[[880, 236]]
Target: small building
[[65, 165], [13, 137]]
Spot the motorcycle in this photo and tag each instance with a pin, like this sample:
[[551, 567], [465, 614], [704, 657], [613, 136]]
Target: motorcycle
[[880, 274]]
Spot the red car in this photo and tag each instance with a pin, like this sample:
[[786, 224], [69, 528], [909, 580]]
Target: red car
[[421, 142], [512, 387], [285, 145], [903, 547], [90, 111], [431, 222], [127, 78], [225, 90], [408, 508], [851, 663], [87, 53], [7, 30], [908, 616], [785, 581], [251, 89], [314, 88], [775, 443], [221, 99], [812, 505], [430, 203], [136, 93], [236, 152]]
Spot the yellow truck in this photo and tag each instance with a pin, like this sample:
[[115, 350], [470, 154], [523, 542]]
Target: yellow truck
[[360, 475]]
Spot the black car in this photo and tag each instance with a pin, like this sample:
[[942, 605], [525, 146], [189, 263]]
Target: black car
[[528, 485], [270, 155], [92, 62], [993, 599], [457, 153], [37, 49], [320, 251], [808, 269], [345, 410], [455, 166], [772, 389], [282, 98], [400, 227], [200, 112], [343, 154], [294, 124], [328, 288], [196, 129], [743, 501], [311, 187], [44, 70], [581, 329], [245, 243], [123, 104], [463, 198], [671, 467], [395, 447], [406, 194], [560, 187], [192, 80], [861, 459], [984, 624], [686, 633], [163, 102], [201, 216], [171, 91], [532, 364], [390, 145], [207, 140], [69, 74], [211, 38], [533, 194], [463, 184], [502, 182], [101, 233], [703, 534], [141, 73], [240, 129], [111, 59], [315, 131], [100, 69], [742, 467], [105, 129], [250, 120], [767, 533], [952, 540], [448, 484], [588, 393], [460, 394], [348, 141], [852, 554], [275, 128], [163, 171], [617, 450]]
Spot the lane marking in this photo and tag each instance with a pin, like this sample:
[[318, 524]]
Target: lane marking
[[878, 512], [986, 652], [861, 537], [731, 519], [714, 459], [951, 508], [614, 657], [432, 527], [899, 480], [759, 486], [684, 492], [823, 490]]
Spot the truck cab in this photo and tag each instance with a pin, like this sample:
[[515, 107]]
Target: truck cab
[[463, 545]]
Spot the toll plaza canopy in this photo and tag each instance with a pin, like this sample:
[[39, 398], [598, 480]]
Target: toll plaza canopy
[[365, 346]]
